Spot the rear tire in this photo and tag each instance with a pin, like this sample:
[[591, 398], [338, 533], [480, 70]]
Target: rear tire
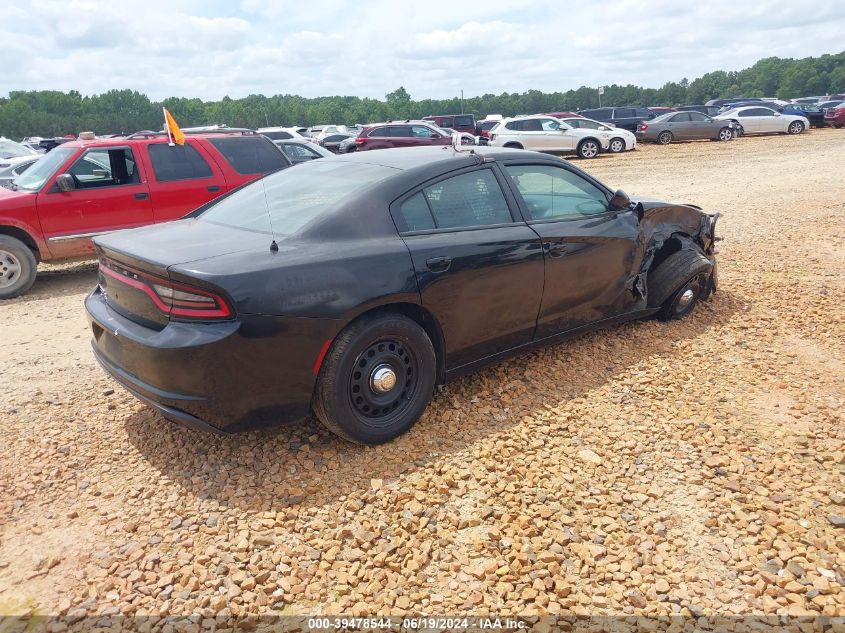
[[678, 283], [616, 145], [588, 148], [796, 127], [726, 134], [665, 137], [376, 380], [17, 267]]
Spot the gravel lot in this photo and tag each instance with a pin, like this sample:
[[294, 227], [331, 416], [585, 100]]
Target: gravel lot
[[690, 467]]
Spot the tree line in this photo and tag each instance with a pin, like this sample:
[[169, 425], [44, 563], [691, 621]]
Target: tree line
[[54, 113]]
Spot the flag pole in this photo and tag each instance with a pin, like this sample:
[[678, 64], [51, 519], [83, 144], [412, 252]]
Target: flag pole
[[167, 127]]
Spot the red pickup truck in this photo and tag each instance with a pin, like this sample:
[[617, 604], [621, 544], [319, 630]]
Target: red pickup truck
[[86, 188]]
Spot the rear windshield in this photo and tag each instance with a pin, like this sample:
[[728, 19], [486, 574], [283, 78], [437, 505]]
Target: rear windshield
[[284, 202], [250, 155]]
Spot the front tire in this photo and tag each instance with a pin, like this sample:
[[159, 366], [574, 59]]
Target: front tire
[[796, 127], [616, 145], [588, 148], [376, 379], [17, 267], [726, 134], [664, 138], [513, 146], [680, 281]]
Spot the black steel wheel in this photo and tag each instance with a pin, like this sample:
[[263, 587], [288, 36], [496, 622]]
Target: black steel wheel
[[679, 282], [376, 379]]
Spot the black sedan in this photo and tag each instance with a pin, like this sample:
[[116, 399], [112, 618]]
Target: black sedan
[[351, 285]]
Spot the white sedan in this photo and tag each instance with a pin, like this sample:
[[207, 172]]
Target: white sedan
[[547, 134], [621, 140], [760, 120]]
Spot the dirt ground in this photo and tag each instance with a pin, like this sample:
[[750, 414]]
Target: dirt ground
[[693, 467]]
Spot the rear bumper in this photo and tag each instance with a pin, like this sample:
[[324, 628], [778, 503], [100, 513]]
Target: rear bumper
[[221, 377]]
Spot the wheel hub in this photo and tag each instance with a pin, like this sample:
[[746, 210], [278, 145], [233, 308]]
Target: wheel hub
[[10, 269], [685, 298], [382, 379]]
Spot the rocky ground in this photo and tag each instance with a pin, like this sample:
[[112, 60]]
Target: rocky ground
[[695, 467]]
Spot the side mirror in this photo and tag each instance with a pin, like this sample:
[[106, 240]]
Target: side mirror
[[620, 201], [65, 182]]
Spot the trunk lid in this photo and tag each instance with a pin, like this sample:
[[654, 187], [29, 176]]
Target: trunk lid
[[134, 264]]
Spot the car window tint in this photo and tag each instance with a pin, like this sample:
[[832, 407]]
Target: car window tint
[[398, 131], [696, 116], [420, 131], [446, 121], [532, 125], [104, 168], [380, 131], [621, 113], [549, 125], [464, 121], [180, 162], [678, 118], [250, 155], [278, 136], [556, 193], [514, 125], [416, 214], [298, 152], [473, 199]]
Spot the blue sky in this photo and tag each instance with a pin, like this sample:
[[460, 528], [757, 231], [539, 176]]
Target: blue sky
[[196, 48]]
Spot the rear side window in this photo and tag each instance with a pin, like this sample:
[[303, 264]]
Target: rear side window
[[180, 162], [621, 113], [416, 213], [380, 131], [398, 131], [602, 114], [464, 121], [514, 125], [467, 200], [684, 116], [446, 121], [250, 155], [278, 136]]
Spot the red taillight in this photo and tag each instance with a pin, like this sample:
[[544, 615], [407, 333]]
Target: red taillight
[[360, 140], [179, 301], [643, 127]]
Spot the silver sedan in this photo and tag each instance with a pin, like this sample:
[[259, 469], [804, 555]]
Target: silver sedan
[[684, 126]]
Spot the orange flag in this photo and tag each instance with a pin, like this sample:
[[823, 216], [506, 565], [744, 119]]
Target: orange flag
[[173, 132]]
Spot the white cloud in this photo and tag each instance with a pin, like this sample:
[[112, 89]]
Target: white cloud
[[328, 47]]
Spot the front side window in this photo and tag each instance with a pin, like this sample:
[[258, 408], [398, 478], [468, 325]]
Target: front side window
[[250, 154], [468, 200], [697, 116], [549, 125], [44, 168], [180, 162], [103, 167], [298, 152], [552, 193], [420, 131]]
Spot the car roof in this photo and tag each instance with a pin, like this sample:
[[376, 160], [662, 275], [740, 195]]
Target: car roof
[[406, 158], [139, 137]]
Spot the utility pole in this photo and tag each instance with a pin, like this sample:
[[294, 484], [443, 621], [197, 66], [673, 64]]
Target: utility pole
[[601, 92], [462, 101]]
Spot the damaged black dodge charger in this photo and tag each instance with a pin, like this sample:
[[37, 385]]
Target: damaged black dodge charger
[[350, 286]]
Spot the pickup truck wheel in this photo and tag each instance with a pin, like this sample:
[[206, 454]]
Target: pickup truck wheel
[[17, 267], [376, 380], [678, 283]]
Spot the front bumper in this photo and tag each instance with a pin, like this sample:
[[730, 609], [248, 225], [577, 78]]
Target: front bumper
[[222, 377]]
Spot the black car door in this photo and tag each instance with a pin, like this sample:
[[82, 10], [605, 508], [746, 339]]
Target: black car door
[[479, 267], [591, 250]]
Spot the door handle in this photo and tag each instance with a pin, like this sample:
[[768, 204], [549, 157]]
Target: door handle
[[213, 188], [438, 264], [142, 196], [554, 249]]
